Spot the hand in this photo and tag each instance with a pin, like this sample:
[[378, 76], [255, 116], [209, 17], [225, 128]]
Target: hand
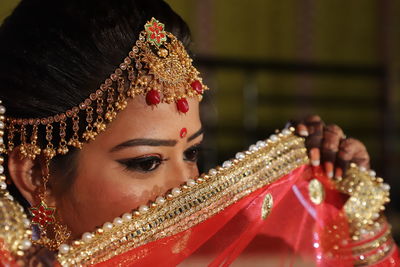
[[328, 145]]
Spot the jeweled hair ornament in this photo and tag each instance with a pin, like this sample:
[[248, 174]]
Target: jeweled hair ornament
[[158, 67]]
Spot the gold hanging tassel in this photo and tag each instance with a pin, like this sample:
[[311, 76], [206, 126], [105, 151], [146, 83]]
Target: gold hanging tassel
[[133, 90], [110, 113], [29, 150], [10, 137], [99, 124], [23, 149], [49, 151], [74, 141], [89, 134], [62, 148], [121, 100]]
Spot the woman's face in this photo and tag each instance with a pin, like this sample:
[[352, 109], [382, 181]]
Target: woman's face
[[140, 156]]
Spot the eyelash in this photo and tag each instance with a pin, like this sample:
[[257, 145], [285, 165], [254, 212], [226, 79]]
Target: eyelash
[[151, 163], [143, 164]]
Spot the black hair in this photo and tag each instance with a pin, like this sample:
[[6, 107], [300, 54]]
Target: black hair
[[55, 53]]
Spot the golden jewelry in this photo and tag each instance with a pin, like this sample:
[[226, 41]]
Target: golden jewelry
[[368, 196], [158, 67], [267, 206], [316, 191], [52, 232], [199, 199]]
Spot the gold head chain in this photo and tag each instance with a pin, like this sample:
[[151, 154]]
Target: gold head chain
[[158, 67]]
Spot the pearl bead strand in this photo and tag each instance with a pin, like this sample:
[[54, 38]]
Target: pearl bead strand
[[25, 244]]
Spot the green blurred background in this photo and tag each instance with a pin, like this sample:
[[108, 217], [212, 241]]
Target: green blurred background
[[271, 61]]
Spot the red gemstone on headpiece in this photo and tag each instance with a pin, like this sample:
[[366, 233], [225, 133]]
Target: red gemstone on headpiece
[[196, 85], [182, 105], [153, 97]]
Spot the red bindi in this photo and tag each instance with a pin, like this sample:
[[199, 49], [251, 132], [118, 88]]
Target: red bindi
[[183, 133]]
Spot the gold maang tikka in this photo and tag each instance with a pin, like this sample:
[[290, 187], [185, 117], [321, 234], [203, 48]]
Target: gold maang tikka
[[158, 67]]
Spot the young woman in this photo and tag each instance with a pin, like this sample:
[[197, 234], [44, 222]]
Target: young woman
[[102, 133]]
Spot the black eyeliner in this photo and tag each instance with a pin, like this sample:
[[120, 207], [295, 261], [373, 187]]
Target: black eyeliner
[[134, 163]]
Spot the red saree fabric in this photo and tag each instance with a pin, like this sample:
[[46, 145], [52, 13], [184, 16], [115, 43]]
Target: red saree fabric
[[297, 232]]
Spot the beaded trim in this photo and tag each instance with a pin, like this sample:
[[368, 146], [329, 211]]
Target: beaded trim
[[374, 250], [158, 67], [368, 196], [192, 203], [196, 201], [15, 232]]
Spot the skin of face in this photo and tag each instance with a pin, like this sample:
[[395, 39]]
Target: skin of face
[[105, 188]]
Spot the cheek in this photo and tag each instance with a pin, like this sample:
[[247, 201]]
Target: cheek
[[104, 191]]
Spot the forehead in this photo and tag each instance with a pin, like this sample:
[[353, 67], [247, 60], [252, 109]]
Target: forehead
[[140, 120]]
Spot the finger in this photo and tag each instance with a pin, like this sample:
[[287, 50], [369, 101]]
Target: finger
[[345, 154], [315, 156], [351, 150], [328, 167], [315, 129], [338, 173], [313, 141], [330, 146], [301, 129], [361, 157]]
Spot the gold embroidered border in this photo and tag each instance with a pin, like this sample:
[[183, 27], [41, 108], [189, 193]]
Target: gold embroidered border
[[14, 226], [381, 252], [374, 250], [373, 244], [258, 167]]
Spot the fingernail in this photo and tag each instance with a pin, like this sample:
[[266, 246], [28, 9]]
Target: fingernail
[[315, 163], [302, 130], [338, 173], [303, 133], [315, 156], [363, 169], [329, 169]]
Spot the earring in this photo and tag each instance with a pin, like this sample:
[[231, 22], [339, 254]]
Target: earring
[[52, 232]]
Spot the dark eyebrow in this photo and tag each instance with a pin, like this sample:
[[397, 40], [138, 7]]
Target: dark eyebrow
[[196, 134], [144, 142]]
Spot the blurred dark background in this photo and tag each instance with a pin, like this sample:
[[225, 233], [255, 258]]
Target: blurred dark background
[[271, 61]]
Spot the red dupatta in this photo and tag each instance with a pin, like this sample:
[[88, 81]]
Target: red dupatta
[[296, 232], [267, 205]]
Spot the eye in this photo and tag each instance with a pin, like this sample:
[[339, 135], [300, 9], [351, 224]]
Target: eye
[[192, 153], [142, 164]]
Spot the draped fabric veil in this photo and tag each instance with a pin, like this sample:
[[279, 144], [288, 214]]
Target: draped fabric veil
[[277, 224], [296, 220], [267, 204]]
